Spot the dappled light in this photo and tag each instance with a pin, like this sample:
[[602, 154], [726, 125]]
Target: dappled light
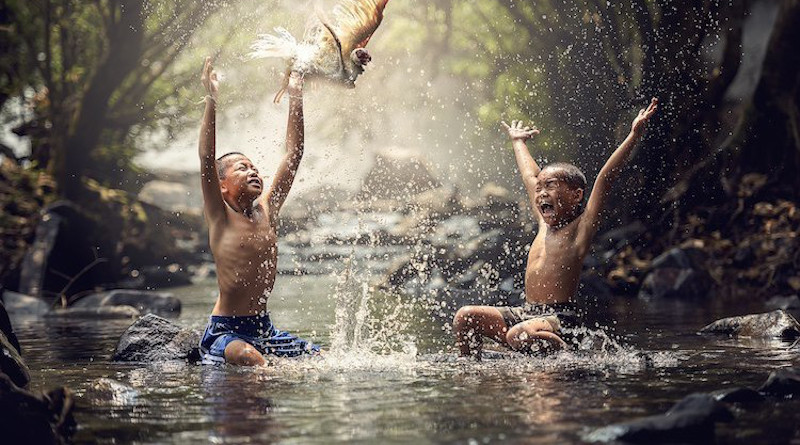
[[386, 221]]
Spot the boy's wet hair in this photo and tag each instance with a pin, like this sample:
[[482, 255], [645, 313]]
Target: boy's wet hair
[[572, 175], [223, 163]]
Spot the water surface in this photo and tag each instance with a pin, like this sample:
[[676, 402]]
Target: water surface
[[391, 376]]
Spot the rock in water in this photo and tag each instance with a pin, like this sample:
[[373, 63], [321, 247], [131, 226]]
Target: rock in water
[[21, 305], [397, 174], [677, 273], [152, 338], [94, 313], [782, 383], [31, 418], [146, 302], [777, 324], [738, 395], [109, 392], [670, 282], [11, 362], [691, 420]]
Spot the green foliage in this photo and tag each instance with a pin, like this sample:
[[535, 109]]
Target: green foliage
[[65, 49]]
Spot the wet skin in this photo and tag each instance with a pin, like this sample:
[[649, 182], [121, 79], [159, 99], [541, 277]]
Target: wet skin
[[562, 241], [242, 219], [245, 247], [556, 255]]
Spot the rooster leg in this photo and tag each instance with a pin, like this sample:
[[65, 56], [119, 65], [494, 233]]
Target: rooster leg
[[280, 93]]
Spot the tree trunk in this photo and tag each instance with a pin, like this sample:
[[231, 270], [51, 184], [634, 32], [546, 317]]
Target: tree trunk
[[771, 144], [124, 47]]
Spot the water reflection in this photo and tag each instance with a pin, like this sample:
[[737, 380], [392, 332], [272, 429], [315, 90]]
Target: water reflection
[[238, 405], [413, 390]]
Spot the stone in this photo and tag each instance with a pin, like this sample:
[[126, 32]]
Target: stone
[[146, 302], [32, 418], [11, 362], [782, 383], [21, 305], [775, 324], [781, 302], [738, 395], [95, 313], [110, 392], [670, 282], [398, 174], [152, 338], [691, 420], [680, 258], [7, 329]]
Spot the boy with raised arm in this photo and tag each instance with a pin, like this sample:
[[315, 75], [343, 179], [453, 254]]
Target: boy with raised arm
[[565, 234], [242, 222]]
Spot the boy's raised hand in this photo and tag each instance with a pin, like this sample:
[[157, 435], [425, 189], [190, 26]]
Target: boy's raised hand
[[295, 86], [209, 79], [644, 115], [516, 131]]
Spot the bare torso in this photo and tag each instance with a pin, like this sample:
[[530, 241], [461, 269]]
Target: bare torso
[[245, 251], [554, 263]]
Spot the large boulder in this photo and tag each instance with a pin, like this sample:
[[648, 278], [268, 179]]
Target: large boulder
[[145, 302], [398, 174], [21, 305], [30, 418], [680, 258], [105, 391], [670, 282], [94, 313], [11, 362], [782, 383], [691, 420], [738, 395], [775, 324], [152, 338], [677, 273]]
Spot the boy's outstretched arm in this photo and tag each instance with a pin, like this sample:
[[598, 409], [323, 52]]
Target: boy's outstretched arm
[[528, 167], [213, 204], [295, 143], [611, 170]]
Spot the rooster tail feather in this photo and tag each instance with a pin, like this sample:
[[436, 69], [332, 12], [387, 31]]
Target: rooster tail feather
[[281, 45]]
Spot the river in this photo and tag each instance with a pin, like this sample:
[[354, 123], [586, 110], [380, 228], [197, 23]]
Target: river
[[390, 376]]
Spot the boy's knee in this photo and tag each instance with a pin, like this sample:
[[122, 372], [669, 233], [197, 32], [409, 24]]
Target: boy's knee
[[241, 353], [517, 338], [463, 316]]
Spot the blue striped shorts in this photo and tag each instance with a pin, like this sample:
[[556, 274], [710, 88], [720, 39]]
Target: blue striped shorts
[[256, 330]]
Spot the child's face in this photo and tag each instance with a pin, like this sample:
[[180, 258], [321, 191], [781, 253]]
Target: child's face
[[556, 200], [242, 179]]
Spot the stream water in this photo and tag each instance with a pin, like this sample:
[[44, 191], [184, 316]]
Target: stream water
[[391, 376]]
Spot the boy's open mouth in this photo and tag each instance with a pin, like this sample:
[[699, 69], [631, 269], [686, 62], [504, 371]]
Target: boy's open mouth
[[546, 208], [255, 181]]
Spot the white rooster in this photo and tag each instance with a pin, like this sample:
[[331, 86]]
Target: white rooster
[[329, 49]]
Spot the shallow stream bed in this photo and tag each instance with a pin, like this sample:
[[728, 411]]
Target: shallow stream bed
[[411, 391]]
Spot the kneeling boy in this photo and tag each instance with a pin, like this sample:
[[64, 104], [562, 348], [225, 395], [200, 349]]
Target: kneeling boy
[[242, 224], [554, 264]]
